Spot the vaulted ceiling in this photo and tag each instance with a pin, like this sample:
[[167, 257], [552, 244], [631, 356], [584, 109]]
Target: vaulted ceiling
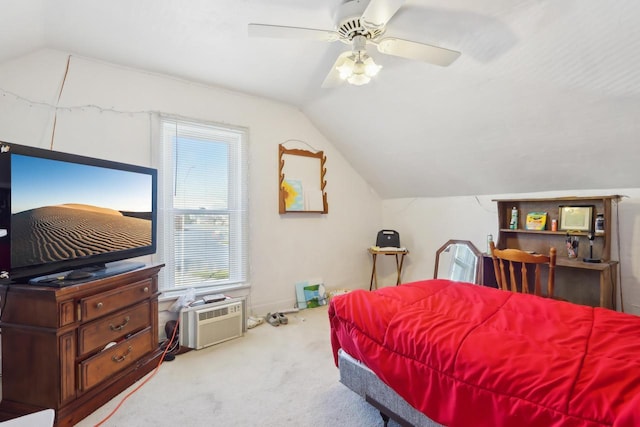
[[545, 96]]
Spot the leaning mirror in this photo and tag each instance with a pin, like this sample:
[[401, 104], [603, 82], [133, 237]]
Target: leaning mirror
[[458, 260]]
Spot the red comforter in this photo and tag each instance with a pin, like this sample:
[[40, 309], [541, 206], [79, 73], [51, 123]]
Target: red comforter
[[472, 356]]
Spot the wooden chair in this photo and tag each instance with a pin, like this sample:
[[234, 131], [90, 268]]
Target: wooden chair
[[502, 256]]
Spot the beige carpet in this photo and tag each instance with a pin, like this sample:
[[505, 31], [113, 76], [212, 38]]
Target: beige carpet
[[273, 376]]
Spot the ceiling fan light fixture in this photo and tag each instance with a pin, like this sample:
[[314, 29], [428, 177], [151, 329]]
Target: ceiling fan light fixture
[[371, 68], [358, 79], [357, 69], [346, 69], [361, 24]]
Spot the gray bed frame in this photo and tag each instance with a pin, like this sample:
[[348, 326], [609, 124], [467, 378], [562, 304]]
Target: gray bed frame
[[362, 380]]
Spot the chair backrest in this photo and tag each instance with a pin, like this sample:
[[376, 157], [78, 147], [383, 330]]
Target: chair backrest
[[511, 256]]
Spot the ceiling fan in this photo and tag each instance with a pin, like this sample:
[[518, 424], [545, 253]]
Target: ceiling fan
[[361, 23]]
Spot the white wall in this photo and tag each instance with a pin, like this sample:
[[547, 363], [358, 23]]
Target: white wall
[[425, 224], [108, 111]]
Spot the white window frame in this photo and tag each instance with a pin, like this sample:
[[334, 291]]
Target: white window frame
[[237, 209]]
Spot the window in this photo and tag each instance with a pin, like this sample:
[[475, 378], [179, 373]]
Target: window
[[203, 199]]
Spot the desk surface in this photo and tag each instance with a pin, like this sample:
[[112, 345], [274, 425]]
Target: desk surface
[[604, 274], [578, 263]]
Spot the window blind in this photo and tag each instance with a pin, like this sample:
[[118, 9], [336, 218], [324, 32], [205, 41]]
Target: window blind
[[204, 204]]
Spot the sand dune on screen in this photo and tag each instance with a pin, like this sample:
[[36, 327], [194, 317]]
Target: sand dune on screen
[[54, 233], [90, 208]]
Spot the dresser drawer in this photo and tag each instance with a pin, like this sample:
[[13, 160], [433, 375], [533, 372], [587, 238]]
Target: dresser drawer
[[113, 327], [98, 305], [114, 359]]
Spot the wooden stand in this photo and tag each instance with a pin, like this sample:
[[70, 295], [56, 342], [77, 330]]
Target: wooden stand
[[399, 254], [54, 343]]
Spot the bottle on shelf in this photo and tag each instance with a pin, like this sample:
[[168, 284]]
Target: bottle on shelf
[[513, 224]]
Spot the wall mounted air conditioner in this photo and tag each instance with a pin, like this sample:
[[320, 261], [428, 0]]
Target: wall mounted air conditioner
[[210, 324]]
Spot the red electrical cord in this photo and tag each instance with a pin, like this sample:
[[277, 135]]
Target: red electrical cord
[[173, 334]]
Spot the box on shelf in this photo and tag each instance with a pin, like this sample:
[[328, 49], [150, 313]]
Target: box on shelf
[[536, 221]]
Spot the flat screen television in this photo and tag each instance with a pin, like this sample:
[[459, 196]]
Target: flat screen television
[[66, 218]]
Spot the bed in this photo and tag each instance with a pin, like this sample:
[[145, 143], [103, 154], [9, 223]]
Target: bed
[[464, 355]]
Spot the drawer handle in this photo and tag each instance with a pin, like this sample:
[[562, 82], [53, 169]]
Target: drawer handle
[[99, 305], [119, 359], [146, 289], [120, 327]]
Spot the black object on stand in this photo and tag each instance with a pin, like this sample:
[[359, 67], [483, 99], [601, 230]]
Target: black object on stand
[[591, 258]]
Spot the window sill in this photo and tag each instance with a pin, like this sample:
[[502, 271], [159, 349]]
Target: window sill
[[172, 295]]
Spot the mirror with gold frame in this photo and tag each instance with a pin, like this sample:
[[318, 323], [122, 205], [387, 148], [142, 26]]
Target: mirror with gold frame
[[302, 181]]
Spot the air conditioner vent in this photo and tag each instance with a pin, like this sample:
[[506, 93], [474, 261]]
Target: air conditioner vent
[[210, 314], [207, 325]]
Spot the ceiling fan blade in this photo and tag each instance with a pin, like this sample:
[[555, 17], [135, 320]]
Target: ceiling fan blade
[[284, 32], [333, 77], [420, 51], [378, 12]]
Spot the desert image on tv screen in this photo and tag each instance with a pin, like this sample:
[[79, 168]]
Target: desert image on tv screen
[[62, 211]]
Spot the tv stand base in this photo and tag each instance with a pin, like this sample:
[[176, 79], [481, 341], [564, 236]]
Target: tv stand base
[[79, 409], [56, 343]]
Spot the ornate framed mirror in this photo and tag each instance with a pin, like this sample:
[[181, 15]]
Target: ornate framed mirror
[[458, 260], [302, 181]]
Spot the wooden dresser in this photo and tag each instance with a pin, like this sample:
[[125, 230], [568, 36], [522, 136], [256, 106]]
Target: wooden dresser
[[74, 348]]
